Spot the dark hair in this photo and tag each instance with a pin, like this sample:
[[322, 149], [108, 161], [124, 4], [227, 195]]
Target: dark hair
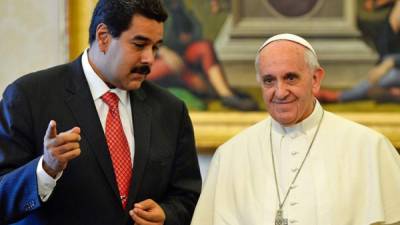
[[117, 14]]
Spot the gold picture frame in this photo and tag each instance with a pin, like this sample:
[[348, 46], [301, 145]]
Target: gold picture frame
[[214, 128]]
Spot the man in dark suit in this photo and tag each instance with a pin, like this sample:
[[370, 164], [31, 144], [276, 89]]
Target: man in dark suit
[[132, 161]]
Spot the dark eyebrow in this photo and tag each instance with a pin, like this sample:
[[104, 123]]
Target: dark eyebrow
[[140, 38], [266, 75], [291, 74], [145, 39]]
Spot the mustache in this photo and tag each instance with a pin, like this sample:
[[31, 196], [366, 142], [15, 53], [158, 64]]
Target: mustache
[[142, 69]]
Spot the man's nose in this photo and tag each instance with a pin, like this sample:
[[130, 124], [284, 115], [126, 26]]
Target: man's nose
[[281, 90], [148, 56]]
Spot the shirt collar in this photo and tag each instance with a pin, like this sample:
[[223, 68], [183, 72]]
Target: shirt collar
[[300, 128], [97, 86]]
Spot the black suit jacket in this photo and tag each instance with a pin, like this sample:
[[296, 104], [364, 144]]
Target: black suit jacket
[[165, 166]]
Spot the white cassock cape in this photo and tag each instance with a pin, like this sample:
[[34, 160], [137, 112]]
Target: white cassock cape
[[355, 174]]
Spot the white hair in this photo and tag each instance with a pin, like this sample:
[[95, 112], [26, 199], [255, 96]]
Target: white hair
[[310, 56]]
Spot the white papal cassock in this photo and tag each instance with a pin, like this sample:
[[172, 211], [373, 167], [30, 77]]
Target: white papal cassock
[[351, 176]]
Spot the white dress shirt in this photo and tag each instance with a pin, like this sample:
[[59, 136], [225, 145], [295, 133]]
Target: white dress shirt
[[98, 88]]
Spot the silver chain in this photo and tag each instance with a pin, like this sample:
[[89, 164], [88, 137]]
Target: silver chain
[[301, 165]]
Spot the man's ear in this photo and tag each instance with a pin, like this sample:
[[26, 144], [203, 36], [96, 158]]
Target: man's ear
[[317, 78], [103, 37]]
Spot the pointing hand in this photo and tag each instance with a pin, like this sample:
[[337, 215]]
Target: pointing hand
[[60, 148]]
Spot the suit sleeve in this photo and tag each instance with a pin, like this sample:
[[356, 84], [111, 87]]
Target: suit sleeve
[[18, 159], [186, 179]]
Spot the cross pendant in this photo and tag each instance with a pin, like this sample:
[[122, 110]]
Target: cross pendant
[[279, 220]]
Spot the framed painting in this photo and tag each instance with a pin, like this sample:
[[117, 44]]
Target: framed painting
[[210, 46]]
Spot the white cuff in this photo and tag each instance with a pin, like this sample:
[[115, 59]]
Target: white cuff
[[46, 183]]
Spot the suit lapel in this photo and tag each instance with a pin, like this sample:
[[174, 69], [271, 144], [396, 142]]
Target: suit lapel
[[142, 117], [81, 104], [80, 101]]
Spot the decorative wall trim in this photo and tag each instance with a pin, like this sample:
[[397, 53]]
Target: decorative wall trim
[[214, 128]]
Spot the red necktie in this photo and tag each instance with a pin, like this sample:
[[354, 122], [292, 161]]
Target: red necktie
[[118, 146]]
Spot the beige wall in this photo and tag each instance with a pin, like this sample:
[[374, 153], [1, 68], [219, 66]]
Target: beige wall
[[33, 37]]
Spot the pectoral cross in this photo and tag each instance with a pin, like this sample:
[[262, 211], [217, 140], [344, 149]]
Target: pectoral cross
[[279, 220]]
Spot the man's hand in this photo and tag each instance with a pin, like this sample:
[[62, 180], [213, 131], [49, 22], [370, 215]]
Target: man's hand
[[376, 73], [147, 212], [394, 19], [173, 60], [60, 148]]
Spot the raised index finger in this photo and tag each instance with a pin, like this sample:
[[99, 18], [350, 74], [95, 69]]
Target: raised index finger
[[51, 131]]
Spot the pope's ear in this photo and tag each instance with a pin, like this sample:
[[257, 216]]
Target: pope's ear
[[103, 37], [318, 76]]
